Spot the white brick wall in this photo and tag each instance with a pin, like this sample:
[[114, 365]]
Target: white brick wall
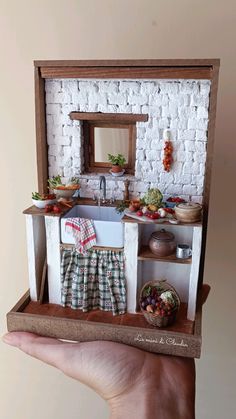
[[179, 105]]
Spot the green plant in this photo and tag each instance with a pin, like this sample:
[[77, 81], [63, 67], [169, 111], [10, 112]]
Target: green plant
[[117, 160]]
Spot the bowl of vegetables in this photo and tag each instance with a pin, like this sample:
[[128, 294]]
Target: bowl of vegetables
[[64, 190], [159, 303], [41, 200]]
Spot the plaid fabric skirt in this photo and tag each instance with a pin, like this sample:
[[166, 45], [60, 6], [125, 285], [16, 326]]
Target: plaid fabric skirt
[[93, 281]]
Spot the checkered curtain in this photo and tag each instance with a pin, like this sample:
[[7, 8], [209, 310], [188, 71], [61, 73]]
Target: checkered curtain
[[93, 281]]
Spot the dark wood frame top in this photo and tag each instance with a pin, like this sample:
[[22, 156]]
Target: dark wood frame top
[[126, 69]]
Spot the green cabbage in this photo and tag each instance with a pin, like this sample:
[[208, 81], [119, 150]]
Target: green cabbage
[[153, 197]]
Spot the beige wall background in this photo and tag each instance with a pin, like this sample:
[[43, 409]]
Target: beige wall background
[[92, 29]]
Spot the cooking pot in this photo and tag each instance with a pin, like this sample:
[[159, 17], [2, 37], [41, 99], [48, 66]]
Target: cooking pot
[[188, 212], [162, 243]]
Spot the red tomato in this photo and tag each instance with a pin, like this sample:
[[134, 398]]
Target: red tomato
[[139, 213], [48, 208], [56, 209], [154, 216]]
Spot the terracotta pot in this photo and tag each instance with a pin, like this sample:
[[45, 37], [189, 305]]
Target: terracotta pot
[[162, 243], [188, 212], [116, 168]]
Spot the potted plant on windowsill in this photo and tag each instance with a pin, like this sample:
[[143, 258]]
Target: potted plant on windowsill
[[117, 162]]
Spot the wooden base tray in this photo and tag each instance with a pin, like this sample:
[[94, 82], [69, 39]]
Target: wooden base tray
[[183, 338]]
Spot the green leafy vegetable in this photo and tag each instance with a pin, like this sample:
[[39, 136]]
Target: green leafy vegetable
[[153, 197]]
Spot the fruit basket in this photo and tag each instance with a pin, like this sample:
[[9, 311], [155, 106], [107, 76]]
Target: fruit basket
[[159, 303]]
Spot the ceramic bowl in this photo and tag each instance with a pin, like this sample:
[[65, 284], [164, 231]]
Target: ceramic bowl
[[65, 193], [42, 203]]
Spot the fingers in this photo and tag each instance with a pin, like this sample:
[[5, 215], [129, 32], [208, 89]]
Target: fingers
[[48, 350]]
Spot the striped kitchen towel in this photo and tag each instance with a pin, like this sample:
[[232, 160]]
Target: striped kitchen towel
[[83, 232]]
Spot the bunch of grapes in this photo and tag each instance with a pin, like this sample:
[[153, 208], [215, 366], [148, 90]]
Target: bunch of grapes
[[153, 303]]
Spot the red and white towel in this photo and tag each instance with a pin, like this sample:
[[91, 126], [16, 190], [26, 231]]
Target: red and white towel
[[84, 233]]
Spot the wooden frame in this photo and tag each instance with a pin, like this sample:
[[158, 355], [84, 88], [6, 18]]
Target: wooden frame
[[92, 120], [19, 318]]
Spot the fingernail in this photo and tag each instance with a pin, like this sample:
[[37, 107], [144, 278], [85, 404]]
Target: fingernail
[[8, 338]]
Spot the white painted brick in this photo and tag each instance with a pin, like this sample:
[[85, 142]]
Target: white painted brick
[[63, 140], [137, 99], [75, 147], [169, 111], [191, 168], [189, 189], [90, 86], [199, 100], [53, 86], [158, 99], [70, 86], [72, 130], [186, 135], [108, 87], [182, 99], [117, 99], [200, 147], [140, 187], [200, 190], [198, 124], [201, 135], [166, 177], [145, 165], [157, 144], [49, 97], [55, 129], [52, 109], [183, 156], [51, 140], [190, 145], [202, 112], [179, 124], [76, 162], [169, 87], [125, 108], [182, 178], [80, 98], [199, 157], [130, 86], [136, 109], [153, 155], [68, 171], [151, 177], [173, 189], [55, 150], [164, 123], [179, 146], [62, 98], [149, 87], [197, 180], [191, 87], [141, 132], [140, 155], [158, 166], [96, 98], [205, 88]]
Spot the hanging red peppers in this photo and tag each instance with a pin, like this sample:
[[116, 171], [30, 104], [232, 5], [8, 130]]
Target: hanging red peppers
[[168, 149]]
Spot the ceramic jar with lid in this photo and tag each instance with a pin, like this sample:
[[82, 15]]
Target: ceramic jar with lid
[[188, 212], [162, 243]]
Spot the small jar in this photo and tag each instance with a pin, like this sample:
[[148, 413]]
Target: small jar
[[161, 243]]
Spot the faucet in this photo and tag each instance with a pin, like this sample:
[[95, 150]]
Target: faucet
[[102, 183]]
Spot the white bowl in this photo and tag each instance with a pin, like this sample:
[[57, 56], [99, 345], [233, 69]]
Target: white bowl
[[42, 203]]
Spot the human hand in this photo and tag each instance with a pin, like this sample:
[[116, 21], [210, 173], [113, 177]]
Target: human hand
[[135, 383]]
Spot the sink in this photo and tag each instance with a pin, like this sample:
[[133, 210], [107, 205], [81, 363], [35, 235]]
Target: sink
[[107, 223]]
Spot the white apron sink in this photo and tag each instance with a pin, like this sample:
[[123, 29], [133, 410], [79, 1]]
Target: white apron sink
[[107, 223]]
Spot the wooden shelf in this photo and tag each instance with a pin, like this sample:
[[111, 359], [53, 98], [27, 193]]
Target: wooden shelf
[[127, 219], [146, 254], [108, 117]]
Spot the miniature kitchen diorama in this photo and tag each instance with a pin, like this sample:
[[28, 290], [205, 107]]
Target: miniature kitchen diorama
[[116, 232]]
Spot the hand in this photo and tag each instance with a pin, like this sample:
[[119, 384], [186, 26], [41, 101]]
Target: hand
[[135, 383]]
